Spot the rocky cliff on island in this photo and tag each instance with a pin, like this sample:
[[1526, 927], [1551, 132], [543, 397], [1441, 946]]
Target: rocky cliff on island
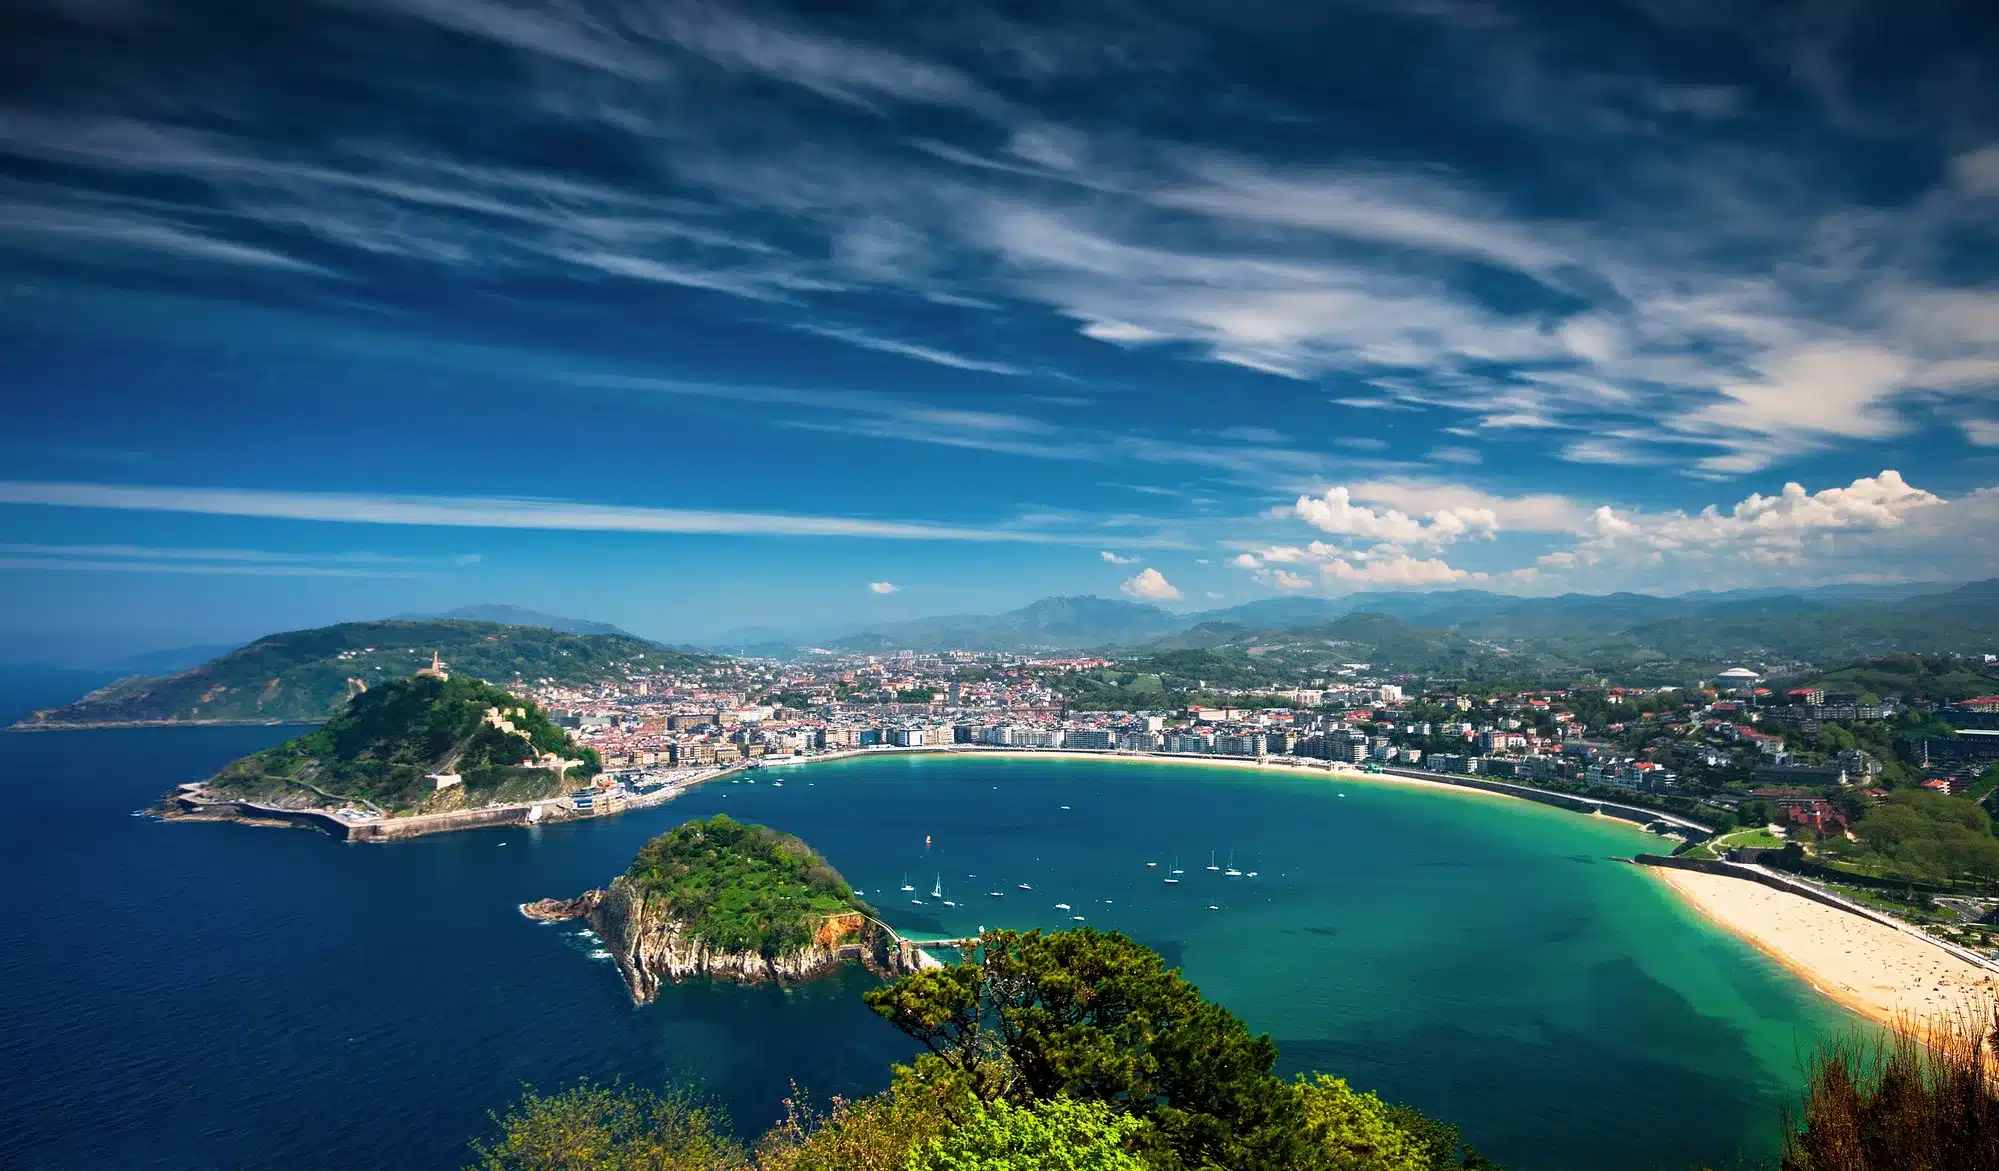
[[719, 899]]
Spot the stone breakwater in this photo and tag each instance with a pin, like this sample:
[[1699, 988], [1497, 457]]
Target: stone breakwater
[[652, 948]]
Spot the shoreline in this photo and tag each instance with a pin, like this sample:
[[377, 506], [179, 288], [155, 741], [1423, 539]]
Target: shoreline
[[554, 810], [1890, 976], [1883, 984]]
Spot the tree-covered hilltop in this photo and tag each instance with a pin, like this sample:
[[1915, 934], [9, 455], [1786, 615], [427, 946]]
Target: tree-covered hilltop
[[304, 676], [1938, 678], [740, 887], [382, 746]]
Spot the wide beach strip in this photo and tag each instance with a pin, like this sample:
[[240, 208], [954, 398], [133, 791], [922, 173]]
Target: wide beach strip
[[1884, 974]]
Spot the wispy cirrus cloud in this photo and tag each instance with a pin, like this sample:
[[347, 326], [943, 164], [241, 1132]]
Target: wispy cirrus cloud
[[1726, 303], [497, 512], [922, 353], [226, 562]]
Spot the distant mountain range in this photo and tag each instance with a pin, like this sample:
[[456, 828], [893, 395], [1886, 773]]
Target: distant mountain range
[[1617, 630], [305, 676]]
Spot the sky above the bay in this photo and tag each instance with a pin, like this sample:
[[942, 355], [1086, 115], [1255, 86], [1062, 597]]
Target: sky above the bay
[[687, 315]]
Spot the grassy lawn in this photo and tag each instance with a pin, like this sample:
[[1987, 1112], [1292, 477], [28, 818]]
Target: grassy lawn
[[1753, 836]]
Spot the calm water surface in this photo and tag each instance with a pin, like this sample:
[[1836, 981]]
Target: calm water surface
[[192, 996]]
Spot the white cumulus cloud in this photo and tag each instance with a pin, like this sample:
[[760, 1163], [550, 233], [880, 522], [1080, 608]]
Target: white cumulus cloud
[[1114, 559], [1398, 569], [1149, 584], [1336, 512], [883, 587]]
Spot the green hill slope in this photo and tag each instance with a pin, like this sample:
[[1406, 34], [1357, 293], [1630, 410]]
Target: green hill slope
[[304, 676], [380, 748]]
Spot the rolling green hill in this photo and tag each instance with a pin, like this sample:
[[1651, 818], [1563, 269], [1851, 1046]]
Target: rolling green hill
[[380, 748], [1909, 676], [304, 676]]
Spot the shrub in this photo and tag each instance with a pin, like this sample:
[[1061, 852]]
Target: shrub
[[1922, 1101]]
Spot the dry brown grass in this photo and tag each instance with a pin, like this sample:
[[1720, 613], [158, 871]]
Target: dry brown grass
[[1925, 1098]]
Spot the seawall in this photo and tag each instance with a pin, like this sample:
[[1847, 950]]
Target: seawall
[[386, 829]]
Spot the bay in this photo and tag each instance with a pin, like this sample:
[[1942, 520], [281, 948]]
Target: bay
[[193, 996]]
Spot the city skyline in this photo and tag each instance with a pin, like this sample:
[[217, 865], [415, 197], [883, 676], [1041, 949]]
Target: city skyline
[[691, 316]]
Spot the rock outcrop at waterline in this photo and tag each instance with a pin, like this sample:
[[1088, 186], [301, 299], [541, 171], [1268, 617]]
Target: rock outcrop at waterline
[[727, 900], [652, 948]]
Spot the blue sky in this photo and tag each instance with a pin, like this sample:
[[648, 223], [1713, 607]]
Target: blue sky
[[689, 315]]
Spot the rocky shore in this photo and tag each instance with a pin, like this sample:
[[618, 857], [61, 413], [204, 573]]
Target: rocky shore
[[651, 948]]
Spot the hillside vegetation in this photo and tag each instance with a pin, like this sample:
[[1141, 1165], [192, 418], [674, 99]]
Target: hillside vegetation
[[1074, 1051], [304, 676], [379, 749], [741, 887], [1935, 678]]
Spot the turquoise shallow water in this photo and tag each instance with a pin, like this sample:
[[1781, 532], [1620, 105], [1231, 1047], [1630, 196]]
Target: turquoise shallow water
[[214, 996], [1486, 959]]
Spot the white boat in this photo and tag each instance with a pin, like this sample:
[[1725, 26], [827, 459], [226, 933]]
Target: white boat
[[905, 883], [1251, 874], [1151, 864], [1024, 886], [1213, 907], [1077, 918], [1176, 865], [997, 894], [1171, 881], [916, 902], [1062, 907], [949, 903], [1065, 807], [1211, 861], [777, 784], [1232, 872], [937, 892]]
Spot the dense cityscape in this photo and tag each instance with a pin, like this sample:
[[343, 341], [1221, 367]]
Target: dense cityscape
[[1767, 765]]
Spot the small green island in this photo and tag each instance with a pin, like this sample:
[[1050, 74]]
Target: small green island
[[423, 745], [726, 899]]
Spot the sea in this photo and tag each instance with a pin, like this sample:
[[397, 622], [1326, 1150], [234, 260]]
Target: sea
[[217, 996]]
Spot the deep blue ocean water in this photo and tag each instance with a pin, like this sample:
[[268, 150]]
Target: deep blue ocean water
[[194, 996]]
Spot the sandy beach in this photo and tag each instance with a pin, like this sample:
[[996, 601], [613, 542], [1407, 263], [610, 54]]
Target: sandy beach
[[1881, 973]]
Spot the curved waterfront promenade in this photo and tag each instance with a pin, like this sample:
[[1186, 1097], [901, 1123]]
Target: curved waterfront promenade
[[375, 827]]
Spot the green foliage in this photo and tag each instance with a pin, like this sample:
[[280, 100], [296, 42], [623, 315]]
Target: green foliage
[[1938, 678], [741, 887], [381, 746], [598, 1128], [1929, 836], [1097, 1018], [874, 1134], [1355, 1131], [1982, 789], [1077, 1051], [303, 676], [1059, 1134]]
